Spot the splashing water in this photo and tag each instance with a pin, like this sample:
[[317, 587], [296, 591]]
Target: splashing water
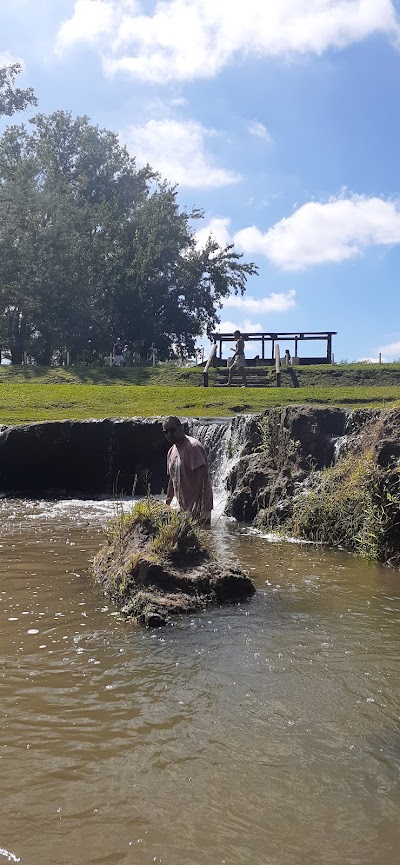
[[224, 441]]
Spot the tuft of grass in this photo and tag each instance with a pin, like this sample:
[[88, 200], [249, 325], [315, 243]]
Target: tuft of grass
[[178, 539], [354, 504], [276, 442], [173, 534]]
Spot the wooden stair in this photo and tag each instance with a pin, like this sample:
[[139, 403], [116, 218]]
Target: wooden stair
[[255, 377]]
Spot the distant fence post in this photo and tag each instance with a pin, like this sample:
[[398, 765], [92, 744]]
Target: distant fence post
[[278, 365], [380, 357]]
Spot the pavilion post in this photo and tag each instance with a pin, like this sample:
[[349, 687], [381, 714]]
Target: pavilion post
[[329, 348]]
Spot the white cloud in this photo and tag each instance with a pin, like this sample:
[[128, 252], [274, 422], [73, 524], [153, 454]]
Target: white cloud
[[91, 19], [392, 349], [177, 150], [186, 39], [272, 303], [178, 101], [321, 233], [370, 360], [258, 130], [245, 326], [218, 228]]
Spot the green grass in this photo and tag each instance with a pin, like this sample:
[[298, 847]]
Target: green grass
[[353, 504], [20, 403], [167, 374], [164, 374]]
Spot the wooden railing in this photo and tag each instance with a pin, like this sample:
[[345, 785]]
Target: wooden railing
[[278, 365]]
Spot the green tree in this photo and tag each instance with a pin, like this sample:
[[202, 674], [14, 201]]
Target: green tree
[[12, 98], [63, 189], [91, 248]]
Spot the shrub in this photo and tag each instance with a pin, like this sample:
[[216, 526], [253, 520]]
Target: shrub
[[355, 504]]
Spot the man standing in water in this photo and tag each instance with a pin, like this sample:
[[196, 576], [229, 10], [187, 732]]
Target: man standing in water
[[188, 476]]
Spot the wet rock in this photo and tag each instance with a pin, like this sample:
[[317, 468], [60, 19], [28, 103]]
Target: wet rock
[[289, 443], [111, 456]]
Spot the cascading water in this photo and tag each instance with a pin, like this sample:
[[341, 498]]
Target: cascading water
[[339, 445], [224, 440]]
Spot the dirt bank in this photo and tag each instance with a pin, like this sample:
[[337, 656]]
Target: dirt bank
[[325, 475]]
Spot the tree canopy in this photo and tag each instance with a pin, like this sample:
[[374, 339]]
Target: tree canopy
[[12, 98], [92, 248]]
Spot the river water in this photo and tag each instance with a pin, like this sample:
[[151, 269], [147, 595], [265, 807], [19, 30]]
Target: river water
[[264, 734]]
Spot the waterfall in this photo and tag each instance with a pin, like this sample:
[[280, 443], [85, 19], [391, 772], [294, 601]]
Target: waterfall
[[339, 445], [224, 440]]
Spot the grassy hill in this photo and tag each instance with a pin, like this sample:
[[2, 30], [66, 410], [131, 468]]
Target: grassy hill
[[338, 375], [32, 393]]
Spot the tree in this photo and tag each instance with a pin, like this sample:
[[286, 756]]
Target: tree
[[91, 248], [12, 98], [60, 187], [174, 289]]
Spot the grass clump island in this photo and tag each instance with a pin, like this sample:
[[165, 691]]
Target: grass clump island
[[156, 564], [170, 535]]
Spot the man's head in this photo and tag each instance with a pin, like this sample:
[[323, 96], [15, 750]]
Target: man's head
[[173, 429], [236, 334]]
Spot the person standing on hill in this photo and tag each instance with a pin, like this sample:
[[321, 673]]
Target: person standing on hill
[[152, 355], [188, 475], [127, 355], [238, 361], [118, 353]]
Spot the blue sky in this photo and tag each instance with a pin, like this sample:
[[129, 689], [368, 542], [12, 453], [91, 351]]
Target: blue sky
[[280, 118]]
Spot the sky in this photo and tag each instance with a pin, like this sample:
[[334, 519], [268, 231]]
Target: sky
[[280, 119]]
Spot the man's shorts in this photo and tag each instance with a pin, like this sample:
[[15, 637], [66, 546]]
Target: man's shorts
[[239, 362]]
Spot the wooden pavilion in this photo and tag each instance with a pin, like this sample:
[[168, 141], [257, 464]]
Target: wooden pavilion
[[268, 341]]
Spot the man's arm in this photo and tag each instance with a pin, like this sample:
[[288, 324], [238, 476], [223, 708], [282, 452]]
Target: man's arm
[[170, 492]]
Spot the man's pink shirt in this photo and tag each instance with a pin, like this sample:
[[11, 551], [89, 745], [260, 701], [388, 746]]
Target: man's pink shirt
[[182, 460]]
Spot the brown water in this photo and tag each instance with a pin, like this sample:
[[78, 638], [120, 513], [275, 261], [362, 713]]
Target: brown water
[[265, 734]]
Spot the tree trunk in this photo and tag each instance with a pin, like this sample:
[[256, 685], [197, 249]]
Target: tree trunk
[[17, 353], [46, 354]]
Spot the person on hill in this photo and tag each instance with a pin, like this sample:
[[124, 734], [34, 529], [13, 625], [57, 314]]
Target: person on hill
[[152, 355], [136, 356], [238, 360], [127, 355], [118, 353], [188, 475]]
